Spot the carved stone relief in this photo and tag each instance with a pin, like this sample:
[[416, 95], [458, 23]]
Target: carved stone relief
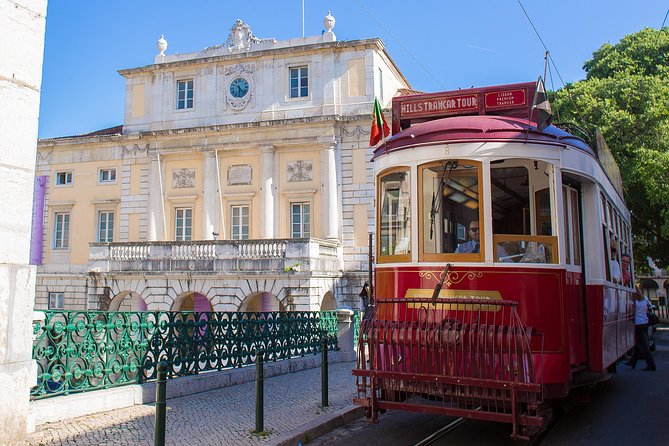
[[183, 178], [240, 174], [300, 170]]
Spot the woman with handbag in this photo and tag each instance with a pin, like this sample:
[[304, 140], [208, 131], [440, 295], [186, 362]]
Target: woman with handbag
[[641, 305]]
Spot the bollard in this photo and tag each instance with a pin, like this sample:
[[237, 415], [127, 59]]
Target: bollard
[[159, 426], [260, 378], [324, 372]]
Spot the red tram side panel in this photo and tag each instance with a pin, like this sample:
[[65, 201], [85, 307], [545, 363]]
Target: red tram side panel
[[465, 350]]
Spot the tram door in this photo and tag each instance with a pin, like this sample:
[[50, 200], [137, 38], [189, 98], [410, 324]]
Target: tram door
[[575, 272]]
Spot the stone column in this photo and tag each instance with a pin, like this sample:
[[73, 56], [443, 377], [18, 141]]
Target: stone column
[[211, 201], [345, 334], [20, 80], [156, 218], [331, 229], [267, 197]]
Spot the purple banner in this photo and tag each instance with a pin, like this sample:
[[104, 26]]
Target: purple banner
[[36, 235]]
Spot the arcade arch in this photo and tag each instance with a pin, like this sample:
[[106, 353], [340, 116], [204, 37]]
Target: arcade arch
[[128, 301], [192, 301], [261, 302], [329, 302]]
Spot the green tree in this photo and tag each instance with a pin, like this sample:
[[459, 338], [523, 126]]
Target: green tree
[[626, 95]]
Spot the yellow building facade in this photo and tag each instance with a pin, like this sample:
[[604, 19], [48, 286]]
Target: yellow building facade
[[239, 180]]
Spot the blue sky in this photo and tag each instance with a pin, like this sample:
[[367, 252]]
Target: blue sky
[[438, 45]]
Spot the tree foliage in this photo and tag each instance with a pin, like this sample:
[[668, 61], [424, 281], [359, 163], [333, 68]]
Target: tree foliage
[[626, 95]]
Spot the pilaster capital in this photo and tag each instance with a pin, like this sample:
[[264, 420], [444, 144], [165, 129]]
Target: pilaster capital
[[329, 142]]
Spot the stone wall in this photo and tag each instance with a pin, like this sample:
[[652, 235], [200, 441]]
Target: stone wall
[[22, 23]]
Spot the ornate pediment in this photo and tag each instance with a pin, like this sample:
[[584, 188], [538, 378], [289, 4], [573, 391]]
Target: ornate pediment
[[241, 38]]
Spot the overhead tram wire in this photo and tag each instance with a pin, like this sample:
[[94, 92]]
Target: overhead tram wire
[[552, 61], [397, 40], [665, 20]]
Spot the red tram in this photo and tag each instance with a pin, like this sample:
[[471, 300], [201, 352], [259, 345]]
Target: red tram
[[497, 248]]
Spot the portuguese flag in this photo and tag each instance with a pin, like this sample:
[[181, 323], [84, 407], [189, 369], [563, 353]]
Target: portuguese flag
[[380, 127]]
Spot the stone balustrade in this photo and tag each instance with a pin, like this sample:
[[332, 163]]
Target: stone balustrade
[[296, 256]]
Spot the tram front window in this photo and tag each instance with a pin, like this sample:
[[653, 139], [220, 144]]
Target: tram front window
[[450, 207], [395, 216]]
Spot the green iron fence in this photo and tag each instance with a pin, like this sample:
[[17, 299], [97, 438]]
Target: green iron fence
[[356, 327], [79, 351]]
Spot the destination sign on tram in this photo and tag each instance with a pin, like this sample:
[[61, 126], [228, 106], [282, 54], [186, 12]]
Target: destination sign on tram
[[508, 98], [427, 106]]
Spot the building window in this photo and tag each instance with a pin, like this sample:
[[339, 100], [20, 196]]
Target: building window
[[61, 236], [184, 94], [299, 82], [183, 224], [107, 176], [105, 227], [381, 85], [240, 223], [300, 220], [56, 301], [63, 178]]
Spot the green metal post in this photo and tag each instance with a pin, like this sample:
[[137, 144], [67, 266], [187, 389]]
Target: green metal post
[[159, 427], [324, 372], [260, 384]]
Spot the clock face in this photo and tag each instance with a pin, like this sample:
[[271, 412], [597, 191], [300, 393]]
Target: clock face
[[239, 87]]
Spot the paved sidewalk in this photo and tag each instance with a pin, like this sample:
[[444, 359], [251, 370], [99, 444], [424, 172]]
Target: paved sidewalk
[[223, 416]]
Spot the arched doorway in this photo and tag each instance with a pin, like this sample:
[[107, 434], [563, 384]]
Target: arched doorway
[[261, 302], [192, 301], [329, 302], [127, 301]]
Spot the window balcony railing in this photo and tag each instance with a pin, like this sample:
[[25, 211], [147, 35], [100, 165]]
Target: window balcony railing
[[268, 255]]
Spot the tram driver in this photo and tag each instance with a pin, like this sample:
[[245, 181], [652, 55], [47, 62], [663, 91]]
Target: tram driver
[[474, 244]]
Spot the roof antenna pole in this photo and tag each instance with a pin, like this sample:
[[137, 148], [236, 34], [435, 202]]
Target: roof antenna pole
[[546, 63]]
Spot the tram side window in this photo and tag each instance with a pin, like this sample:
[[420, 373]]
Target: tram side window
[[522, 216], [395, 214], [575, 213], [450, 197]]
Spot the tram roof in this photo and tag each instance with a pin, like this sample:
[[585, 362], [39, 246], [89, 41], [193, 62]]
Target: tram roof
[[486, 128]]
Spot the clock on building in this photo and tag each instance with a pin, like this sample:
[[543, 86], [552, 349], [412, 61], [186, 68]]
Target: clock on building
[[239, 87]]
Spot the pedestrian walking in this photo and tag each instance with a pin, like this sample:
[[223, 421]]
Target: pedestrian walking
[[641, 304]]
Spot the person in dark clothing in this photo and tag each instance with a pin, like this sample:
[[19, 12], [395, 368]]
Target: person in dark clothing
[[364, 297]]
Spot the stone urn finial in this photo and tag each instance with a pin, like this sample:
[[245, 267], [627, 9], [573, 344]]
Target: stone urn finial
[[328, 22], [161, 45]]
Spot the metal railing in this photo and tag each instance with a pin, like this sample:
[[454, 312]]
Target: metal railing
[[356, 326], [79, 351], [465, 357]]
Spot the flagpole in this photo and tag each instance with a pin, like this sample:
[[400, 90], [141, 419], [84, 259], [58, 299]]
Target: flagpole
[[302, 18]]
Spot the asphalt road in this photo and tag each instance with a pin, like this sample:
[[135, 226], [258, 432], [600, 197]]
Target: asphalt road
[[632, 408]]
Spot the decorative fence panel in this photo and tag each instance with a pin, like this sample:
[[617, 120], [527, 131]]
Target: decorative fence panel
[[79, 351], [357, 314]]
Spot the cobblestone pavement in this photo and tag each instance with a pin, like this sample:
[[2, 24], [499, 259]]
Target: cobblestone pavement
[[219, 417]]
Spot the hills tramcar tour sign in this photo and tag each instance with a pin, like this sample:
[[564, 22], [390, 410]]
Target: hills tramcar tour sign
[[510, 100]]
